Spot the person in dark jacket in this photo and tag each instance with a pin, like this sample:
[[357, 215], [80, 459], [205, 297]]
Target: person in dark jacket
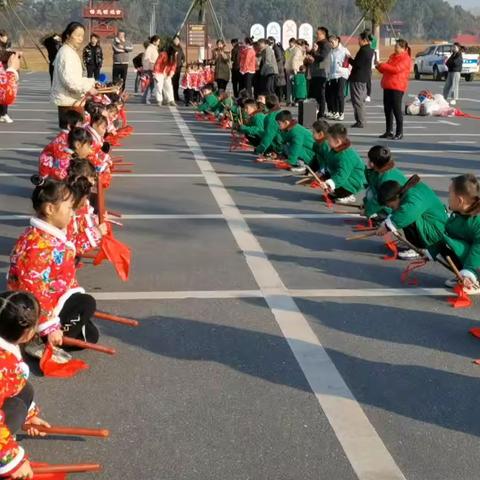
[[222, 66], [93, 57], [359, 77], [52, 45], [180, 63], [268, 68], [280, 80], [319, 66], [235, 57], [454, 65], [121, 52]]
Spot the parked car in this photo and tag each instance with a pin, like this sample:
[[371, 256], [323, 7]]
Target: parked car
[[432, 62]]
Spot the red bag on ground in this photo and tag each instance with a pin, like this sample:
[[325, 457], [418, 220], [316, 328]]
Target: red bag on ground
[[50, 368], [117, 253]]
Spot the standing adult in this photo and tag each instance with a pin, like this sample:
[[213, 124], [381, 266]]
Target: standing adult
[[121, 52], [148, 63], [69, 85], [52, 44], [4, 47], [337, 78], [294, 57], [454, 65], [318, 70], [178, 71], [374, 46], [93, 57], [396, 74], [268, 67], [248, 65], [359, 78], [222, 66], [280, 81], [235, 56], [163, 72]]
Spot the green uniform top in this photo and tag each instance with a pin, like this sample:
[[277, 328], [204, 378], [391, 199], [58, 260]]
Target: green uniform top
[[271, 139], [300, 86], [346, 169], [462, 235], [421, 206], [374, 180], [374, 43], [298, 144], [210, 103], [321, 151], [255, 127]]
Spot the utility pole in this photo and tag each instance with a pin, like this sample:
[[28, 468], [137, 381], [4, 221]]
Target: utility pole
[[153, 19]]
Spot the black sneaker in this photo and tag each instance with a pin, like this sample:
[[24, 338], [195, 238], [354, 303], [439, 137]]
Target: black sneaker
[[358, 125], [388, 135], [398, 136]]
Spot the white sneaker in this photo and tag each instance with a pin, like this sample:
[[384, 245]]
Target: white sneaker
[[299, 170], [345, 200], [451, 282], [453, 102], [336, 116], [341, 117], [408, 254], [7, 119], [474, 290], [368, 100], [329, 115], [60, 356]]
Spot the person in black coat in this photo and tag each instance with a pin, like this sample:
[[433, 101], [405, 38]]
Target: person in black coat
[[93, 57], [454, 65], [180, 63], [52, 44], [235, 57], [360, 75]]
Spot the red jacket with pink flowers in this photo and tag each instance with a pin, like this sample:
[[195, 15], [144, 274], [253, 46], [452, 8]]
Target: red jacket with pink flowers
[[248, 60], [55, 158], [396, 72], [82, 229], [8, 85], [43, 263], [13, 378]]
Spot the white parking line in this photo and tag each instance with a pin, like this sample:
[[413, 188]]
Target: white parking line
[[363, 447]]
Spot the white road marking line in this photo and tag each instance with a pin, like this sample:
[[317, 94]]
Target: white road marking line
[[363, 447], [296, 293], [448, 122], [459, 142], [475, 100]]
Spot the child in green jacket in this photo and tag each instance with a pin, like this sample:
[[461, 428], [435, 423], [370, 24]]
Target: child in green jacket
[[321, 149], [300, 85], [417, 210], [381, 168], [461, 240], [210, 100], [345, 171], [297, 142], [255, 125], [271, 140]]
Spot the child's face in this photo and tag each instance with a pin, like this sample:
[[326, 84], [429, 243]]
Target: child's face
[[250, 109], [283, 125], [334, 142], [262, 99], [394, 204], [456, 203], [60, 214], [100, 128], [83, 150], [318, 136]]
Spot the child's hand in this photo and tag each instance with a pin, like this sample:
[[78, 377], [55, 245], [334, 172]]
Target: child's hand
[[381, 231], [24, 472], [468, 282], [55, 338], [103, 228], [36, 421], [93, 92]]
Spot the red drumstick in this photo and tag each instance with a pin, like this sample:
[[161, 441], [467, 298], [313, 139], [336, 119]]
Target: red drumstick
[[114, 318], [73, 468], [73, 342], [58, 430]]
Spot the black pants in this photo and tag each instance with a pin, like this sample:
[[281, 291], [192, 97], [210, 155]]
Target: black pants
[[236, 80], [317, 91], [413, 236], [369, 87], [76, 318], [119, 72], [341, 192], [392, 105], [247, 83], [446, 251], [268, 82], [3, 110], [51, 68], [93, 72], [222, 84], [335, 95], [176, 84], [16, 408]]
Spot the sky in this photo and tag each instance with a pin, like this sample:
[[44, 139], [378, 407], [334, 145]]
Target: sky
[[468, 4]]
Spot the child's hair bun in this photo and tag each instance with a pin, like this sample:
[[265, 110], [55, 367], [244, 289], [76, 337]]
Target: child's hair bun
[[37, 180]]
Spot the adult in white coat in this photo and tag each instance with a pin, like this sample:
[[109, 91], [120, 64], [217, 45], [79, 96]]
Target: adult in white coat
[[69, 86]]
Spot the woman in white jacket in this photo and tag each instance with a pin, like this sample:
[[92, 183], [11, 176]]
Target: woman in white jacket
[[69, 86], [337, 78]]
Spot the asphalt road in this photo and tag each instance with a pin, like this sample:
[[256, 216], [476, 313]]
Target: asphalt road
[[269, 346]]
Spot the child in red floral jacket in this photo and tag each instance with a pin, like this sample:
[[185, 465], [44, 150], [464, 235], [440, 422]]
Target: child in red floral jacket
[[43, 263], [19, 312]]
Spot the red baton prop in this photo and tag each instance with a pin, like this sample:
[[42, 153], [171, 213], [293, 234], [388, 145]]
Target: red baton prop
[[73, 342], [79, 432], [114, 318], [119, 170], [72, 468]]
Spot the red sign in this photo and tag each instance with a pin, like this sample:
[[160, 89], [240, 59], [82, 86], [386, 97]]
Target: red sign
[[103, 13]]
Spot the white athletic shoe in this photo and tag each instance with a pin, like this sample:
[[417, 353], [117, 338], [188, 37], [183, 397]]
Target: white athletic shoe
[[451, 282], [299, 170], [7, 119], [36, 349], [453, 102], [345, 200], [341, 117], [368, 100], [329, 115], [408, 255]]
